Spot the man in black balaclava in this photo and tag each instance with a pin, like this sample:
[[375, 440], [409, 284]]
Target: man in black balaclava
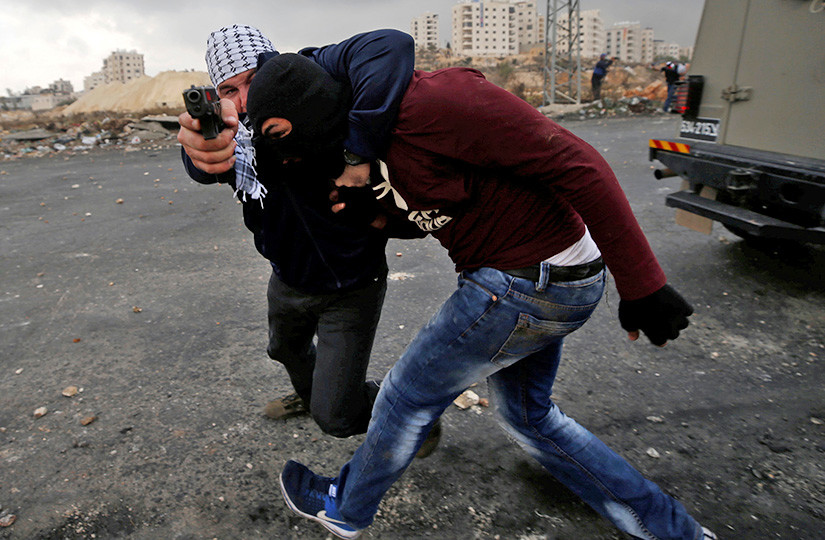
[[329, 275], [322, 260], [313, 110], [299, 113]]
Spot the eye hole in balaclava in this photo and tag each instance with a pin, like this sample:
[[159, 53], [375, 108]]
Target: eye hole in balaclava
[[293, 87]]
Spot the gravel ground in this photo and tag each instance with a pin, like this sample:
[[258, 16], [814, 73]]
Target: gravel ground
[[128, 281]]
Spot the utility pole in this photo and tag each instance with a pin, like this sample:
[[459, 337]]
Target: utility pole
[[562, 52]]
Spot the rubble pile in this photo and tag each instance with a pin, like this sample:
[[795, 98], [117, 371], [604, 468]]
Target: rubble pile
[[108, 116], [604, 108], [628, 89], [129, 133], [636, 81]]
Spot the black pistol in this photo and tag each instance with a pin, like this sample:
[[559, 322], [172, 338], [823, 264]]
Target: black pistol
[[203, 103]]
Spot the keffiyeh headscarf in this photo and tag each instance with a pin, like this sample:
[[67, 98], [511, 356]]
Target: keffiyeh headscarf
[[230, 51], [234, 49]]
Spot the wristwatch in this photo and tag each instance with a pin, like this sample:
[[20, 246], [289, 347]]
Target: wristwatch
[[353, 159]]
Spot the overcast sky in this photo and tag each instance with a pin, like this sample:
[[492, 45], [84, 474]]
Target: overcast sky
[[47, 40]]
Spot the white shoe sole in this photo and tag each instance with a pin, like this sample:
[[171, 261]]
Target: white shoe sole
[[331, 527]]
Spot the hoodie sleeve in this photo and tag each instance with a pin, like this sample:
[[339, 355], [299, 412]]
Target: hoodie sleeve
[[378, 66]]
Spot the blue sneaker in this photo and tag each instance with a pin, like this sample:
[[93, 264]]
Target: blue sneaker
[[313, 497]]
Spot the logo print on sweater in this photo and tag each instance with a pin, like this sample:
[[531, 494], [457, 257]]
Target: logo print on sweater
[[426, 220]]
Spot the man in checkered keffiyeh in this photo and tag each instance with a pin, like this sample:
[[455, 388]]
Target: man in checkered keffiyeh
[[329, 276], [230, 51]]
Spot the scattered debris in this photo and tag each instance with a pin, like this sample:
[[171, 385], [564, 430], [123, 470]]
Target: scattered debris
[[85, 421], [37, 134], [64, 137], [776, 445], [605, 107], [40, 412], [7, 520], [70, 391], [466, 400], [652, 452]]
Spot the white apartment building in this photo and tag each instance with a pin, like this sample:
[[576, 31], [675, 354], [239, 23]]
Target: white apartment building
[[44, 102], [424, 30], [507, 27], [660, 48], [61, 87], [647, 45], [592, 36], [120, 66], [495, 28], [90, 82], [672, 50], [529, 24], [123, 66], [483, 29], [629, 42]]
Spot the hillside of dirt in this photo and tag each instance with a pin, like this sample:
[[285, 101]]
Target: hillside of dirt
[[147, 94]]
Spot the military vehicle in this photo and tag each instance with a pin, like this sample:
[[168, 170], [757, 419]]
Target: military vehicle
[[751, 142]]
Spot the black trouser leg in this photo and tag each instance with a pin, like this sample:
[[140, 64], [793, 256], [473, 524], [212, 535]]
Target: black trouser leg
[[342, 399], [329, 377]]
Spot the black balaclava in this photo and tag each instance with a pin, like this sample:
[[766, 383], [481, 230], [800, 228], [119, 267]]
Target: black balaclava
[[293, 87]]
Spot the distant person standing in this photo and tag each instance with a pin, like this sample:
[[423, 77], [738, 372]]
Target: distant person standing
[[672, 75], [599, 73]]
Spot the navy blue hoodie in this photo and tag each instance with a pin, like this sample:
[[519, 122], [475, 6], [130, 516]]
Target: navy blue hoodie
[[309, 247]]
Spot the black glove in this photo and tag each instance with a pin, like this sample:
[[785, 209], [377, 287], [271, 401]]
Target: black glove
[[659, 315], [360, 205]]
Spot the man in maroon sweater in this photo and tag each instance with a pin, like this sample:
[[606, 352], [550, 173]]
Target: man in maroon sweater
[[527, 211]]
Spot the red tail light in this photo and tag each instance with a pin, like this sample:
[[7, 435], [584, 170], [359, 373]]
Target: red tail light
[[689, 96]]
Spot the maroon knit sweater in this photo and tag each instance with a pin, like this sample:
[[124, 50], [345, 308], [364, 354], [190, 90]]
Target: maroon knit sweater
[[500, 185]]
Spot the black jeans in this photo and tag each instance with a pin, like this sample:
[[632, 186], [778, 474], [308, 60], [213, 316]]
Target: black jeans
[[596, 86], [331, 376]]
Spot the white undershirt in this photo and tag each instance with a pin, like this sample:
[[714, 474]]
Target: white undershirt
[[583, 251]]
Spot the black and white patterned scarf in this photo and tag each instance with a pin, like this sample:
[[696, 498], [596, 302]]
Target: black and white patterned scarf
[[230, 51]]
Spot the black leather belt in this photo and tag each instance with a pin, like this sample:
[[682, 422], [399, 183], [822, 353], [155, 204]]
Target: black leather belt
[[559, 273]]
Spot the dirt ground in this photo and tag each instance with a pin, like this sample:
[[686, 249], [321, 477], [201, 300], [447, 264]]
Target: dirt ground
[[141, 289]]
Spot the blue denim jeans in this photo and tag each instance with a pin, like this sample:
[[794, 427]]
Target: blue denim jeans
[[510, 331], [671, 93]]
